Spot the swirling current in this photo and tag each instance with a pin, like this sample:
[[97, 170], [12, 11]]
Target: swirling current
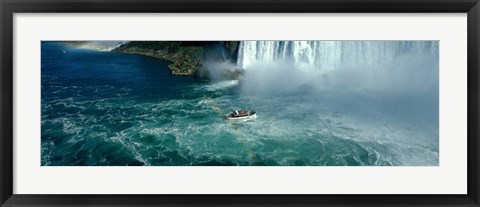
[[115, 109]]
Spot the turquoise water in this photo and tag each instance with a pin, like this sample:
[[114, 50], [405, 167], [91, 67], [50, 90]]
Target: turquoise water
[[114, 109]]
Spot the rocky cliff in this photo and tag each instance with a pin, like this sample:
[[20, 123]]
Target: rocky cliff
[[188, 57]]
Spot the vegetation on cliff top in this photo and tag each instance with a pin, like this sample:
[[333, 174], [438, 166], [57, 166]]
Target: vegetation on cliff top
[[188, 57], [185, 58]]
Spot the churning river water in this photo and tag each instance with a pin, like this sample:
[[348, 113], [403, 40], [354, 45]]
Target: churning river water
[[115, 109]]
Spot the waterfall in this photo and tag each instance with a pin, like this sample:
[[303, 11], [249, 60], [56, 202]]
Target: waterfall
[[328, 55]]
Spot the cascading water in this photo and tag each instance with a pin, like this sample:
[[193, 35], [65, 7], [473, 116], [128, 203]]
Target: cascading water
[[382, 89], [376, 104], [327, 55]]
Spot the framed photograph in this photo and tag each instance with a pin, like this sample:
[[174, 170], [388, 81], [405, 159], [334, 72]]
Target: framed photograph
[[239, 103]]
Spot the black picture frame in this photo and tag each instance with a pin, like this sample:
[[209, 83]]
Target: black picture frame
[[10, 7]]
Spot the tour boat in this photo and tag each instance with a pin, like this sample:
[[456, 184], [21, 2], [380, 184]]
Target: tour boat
[[241, 115]]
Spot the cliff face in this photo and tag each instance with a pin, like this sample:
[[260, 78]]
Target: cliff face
[[185, 59], [232, 47], [188, 57]]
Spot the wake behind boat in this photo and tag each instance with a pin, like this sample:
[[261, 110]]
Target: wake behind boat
[[241, 115]]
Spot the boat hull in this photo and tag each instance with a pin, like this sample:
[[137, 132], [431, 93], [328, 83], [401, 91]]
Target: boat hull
[[241, 117]]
